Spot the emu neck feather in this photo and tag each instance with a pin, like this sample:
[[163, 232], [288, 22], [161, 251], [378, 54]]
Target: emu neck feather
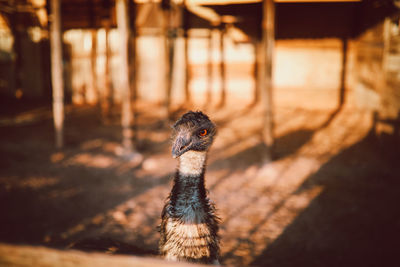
[[189, 194], [192, 163]]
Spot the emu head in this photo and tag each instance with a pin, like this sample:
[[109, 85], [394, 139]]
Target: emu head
[[193, 131]]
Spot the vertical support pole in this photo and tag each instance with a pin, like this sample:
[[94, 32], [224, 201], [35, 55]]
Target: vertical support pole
[[57, 72], [17, 62], [210, 66], [107, 99], [170, 69], [186, 52], [107, 94], [256, 71], [268, 24], [93, 52], [133, 69], [222, 66], [342, 89], [169, 51], [93, 62], [126, 112], [187, 67], [386, 110]]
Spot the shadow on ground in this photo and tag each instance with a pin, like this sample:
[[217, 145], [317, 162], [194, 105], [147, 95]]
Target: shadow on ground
[[353, 222], [56, 198], [85, 197]]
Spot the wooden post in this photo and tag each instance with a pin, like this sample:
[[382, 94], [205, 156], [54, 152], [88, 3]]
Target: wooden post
[[17, 62], [186, 52], [133, 68], [342, 89], [93, 62], [169, 33], [210, 67], [187, 66], [256, 71], [57, 72], [267, 45], [93, 54], [107, 98], [222, 66], [126, 112]]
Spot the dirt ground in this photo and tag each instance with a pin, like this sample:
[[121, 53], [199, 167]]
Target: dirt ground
[[329, 197]]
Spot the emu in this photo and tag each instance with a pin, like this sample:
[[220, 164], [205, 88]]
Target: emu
[[189, 224]]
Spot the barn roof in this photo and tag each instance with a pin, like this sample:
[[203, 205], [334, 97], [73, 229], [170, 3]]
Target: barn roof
[[294, 18]]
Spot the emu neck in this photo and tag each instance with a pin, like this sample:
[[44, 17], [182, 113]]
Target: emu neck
[[192, 163], [188, 194]]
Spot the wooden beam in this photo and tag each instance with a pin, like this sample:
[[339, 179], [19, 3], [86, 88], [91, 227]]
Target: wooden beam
[[187, 67], [126, 112], [267, 46], [169, 35], [186, 52], [57, 72], [256, 71], [222, 66], [93, 63], [39, 256], [343, 74], [107, 97], [14, 19], [231, 2], [315, 1], [133, 63], [210, 67]]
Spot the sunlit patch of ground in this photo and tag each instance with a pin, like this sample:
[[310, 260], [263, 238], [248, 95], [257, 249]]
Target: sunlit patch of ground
[[87, 197]]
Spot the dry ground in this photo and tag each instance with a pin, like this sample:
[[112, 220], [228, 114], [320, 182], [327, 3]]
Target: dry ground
[[330, 196]]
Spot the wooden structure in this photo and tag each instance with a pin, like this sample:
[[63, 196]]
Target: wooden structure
[[57, 72], [13, 255], [262, 21], [377, 56], [267, 46], [190, 19], [126, 114], [378, 83]]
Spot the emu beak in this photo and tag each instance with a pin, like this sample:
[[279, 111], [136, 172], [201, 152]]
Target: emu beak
[[180, 146]]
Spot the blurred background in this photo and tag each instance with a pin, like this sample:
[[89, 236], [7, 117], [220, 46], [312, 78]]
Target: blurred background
[[306, 96]]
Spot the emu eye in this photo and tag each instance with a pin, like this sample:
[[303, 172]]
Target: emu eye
[[203, 132]]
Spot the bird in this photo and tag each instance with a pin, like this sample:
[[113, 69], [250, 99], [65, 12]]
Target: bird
[[189, 223]]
